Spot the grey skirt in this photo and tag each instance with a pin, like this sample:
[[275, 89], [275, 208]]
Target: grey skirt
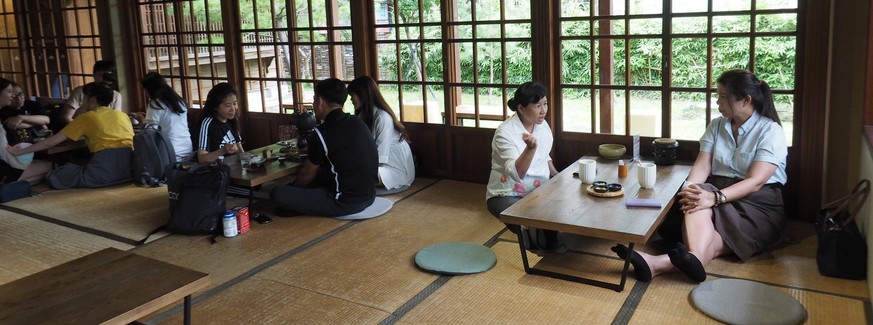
[[107, 167], [748, 226]]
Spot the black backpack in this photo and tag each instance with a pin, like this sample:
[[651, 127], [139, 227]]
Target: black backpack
[[198, 198], [152, 153]]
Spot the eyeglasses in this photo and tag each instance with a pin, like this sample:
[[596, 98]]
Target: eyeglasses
[[18, 94]]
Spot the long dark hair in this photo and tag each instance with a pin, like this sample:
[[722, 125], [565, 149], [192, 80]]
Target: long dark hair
[[528, 93], [371, 100], [214, 98], [110, 72], [158, 89], [740, 83]]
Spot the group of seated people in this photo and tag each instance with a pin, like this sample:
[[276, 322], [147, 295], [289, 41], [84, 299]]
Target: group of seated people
[[350, 156], [733, 205]]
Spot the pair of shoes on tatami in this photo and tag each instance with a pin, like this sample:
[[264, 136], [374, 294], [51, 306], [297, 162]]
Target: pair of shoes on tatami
[[680, 257]]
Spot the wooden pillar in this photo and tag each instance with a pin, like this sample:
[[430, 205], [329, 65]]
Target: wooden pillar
[[607, 66], [364, 38], [545, 49], [451, 58]]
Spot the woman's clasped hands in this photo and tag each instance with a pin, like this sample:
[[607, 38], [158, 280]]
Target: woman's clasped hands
[[694, 198]]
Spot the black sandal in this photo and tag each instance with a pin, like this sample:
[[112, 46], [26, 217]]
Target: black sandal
[[641, 268], [687, 263]]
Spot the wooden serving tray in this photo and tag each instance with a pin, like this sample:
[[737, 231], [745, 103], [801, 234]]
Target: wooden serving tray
[[590, 190]]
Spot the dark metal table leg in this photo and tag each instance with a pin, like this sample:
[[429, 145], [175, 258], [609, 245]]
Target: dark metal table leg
[[187, 320], [619, 287]]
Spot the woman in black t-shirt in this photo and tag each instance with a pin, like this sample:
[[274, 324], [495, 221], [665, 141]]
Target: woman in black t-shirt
[[218, 128]]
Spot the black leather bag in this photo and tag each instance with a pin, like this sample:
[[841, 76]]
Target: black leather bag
[[842, 251]]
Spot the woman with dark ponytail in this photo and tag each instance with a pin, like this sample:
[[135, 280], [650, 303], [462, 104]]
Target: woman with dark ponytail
[[396, 168], [733, 204]]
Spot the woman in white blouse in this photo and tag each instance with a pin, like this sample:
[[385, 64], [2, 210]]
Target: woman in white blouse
[[520, 160], [396, 167], [168, 110]]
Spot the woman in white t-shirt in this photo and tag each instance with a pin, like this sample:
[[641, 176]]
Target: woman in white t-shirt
[[169, 111]]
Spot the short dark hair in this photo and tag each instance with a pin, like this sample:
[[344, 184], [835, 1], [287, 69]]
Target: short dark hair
[[99, 91], [332, 90], [109, 72], [528, 93]]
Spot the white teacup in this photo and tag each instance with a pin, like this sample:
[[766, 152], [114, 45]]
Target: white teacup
[[647, 174], [587, 170]]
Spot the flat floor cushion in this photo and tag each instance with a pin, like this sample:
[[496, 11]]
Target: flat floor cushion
[[736, 301], [378, 208], [382, 191], [455, 258]]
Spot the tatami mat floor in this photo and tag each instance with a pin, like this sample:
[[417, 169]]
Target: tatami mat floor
[[311, 270]]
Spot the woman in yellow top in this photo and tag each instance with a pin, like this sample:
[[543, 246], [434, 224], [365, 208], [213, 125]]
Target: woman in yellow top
[[109, 136]]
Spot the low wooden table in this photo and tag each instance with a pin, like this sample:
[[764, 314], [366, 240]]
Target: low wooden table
[[273, 170], [109, 286], [562, 204]]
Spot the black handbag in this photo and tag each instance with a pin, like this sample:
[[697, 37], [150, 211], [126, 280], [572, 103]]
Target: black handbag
[[842, 251]]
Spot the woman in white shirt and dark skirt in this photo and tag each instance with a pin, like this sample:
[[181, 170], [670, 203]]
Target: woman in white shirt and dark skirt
[[733, 204], [520, 160], [396, 167]]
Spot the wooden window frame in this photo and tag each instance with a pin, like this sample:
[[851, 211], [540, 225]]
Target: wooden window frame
[[184, 39], [333, 43], [605, 18]]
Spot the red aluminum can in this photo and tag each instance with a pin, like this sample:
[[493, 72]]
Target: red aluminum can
[[242, 219]]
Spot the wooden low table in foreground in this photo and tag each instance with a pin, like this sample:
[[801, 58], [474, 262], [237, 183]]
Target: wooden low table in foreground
[[562, 204], [109, 286]]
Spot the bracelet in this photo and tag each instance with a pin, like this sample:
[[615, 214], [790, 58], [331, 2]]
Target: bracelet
[[720, 198]]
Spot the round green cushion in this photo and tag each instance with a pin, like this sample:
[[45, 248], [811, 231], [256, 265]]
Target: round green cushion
[[455, 258], [735, 301]]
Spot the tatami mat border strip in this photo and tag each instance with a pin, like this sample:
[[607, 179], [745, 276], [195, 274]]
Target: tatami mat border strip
[[630, 304], [242, 277], [430, 289], [71, 225], [868, 312]]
